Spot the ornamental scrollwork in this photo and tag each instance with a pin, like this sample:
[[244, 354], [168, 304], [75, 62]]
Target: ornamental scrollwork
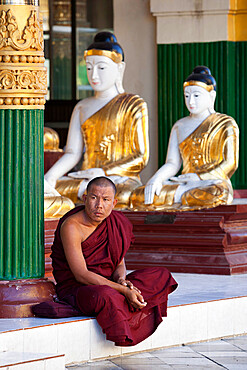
[[10, 35], [7, 80], [23, 80]]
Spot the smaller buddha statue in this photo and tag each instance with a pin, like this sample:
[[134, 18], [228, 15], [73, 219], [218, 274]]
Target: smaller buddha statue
[[51, 140], [206, 143], [108, 132]]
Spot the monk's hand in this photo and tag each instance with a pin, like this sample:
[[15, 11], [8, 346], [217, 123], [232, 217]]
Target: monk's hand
[[135, 298], [128, 284]]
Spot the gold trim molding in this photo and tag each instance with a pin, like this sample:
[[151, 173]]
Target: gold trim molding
[[198, 83], [23, 77], [113, 55]]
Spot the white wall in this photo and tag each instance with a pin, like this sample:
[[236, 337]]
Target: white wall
[[135, 29], [181, 21]]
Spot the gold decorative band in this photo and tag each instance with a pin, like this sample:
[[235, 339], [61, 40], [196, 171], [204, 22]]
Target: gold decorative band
[[19, 2], [113, 55], [198, 83], [23, 77]]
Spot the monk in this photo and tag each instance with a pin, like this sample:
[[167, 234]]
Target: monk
[[88, 265]]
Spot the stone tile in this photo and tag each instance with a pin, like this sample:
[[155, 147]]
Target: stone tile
[[231, 360], [213, 346], [134, 363], [189, 361], [146, 367], [143, 355], [175, 350], [98, 365], [132, 360], [166, 354], [224, 354], [192, 367], [238, 342]]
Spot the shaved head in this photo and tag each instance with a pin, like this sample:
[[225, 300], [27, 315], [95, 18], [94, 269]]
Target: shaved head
[[103, 182]]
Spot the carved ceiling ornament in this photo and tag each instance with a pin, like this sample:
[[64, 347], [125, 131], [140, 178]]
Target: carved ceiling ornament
[[23, 77]]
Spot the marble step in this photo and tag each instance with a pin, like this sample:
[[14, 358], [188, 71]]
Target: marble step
[[81, 339], [31, 361]]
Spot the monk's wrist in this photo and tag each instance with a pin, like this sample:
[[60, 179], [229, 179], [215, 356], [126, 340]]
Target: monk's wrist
[[124, 289]]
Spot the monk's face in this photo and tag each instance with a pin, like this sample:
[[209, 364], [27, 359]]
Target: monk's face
[[99, 202]]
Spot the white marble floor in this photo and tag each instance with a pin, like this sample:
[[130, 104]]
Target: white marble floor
[[193, 288]]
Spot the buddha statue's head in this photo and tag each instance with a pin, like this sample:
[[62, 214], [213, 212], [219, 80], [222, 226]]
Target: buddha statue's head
[[200, 91], [105, 62]]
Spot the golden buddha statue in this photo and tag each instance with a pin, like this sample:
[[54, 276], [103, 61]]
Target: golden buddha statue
[[206, 143], [51, 140], [109, 130], [55, 205]]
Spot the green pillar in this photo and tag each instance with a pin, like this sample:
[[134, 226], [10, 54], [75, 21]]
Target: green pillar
[[21, 183], [22, 96]]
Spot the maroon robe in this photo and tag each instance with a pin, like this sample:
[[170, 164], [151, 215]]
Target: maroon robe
[[103, 250]]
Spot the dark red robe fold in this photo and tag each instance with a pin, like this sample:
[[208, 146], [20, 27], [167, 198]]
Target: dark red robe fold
[[103, 250]]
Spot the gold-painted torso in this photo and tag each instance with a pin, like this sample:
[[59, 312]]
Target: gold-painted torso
[[205, 152], [116, 140], [112, 137]]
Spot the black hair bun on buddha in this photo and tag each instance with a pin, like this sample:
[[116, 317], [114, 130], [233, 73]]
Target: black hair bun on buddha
[[105, 37], [106, 41], [202, 74]]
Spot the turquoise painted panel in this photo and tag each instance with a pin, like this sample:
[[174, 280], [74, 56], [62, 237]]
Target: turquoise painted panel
[[228, 64], [22, 194]]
